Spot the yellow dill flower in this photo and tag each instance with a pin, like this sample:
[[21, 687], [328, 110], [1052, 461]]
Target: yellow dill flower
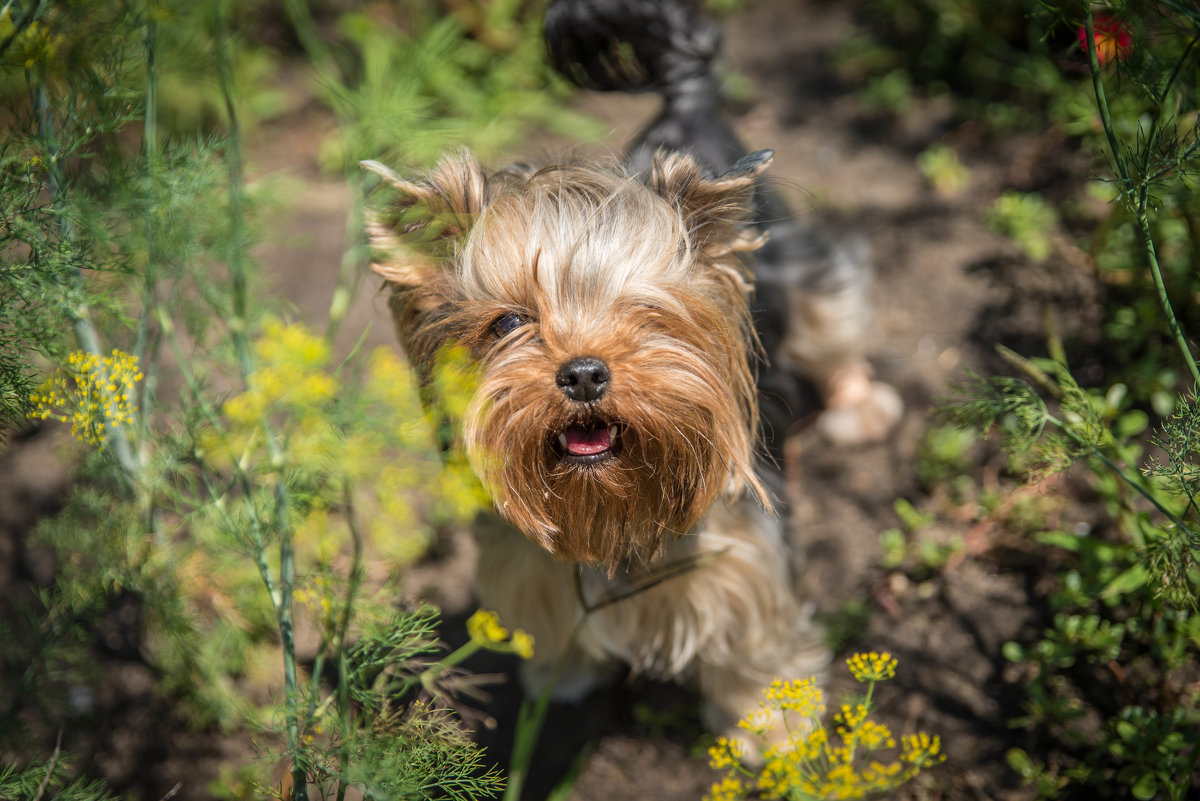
[[801, 695], [813, 744], [813, 763], [879, 774], [454, 380], [838, 754], [292, 347], [841, 779], [851, 716], [756, 722], [93, 393], [522, 643], [921, 749], [872, 735], [484, 628], [779, 775], [872, 666], [291, 370], [728, 789], [724, 753]]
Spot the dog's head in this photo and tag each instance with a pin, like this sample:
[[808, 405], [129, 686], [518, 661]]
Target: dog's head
[[608, 318]]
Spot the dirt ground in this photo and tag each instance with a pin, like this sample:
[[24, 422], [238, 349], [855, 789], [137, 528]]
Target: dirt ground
[[945, 296]]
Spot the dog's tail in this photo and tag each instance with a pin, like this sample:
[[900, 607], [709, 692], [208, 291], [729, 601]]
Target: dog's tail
[[662, 46], [630, 45]]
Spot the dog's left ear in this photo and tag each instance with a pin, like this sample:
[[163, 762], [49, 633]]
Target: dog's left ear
[[412, 233], [714, 210]]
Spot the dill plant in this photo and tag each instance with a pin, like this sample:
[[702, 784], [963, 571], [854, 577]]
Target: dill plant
[[237, 474], [49, 779], [1128, 602], [813, 762]]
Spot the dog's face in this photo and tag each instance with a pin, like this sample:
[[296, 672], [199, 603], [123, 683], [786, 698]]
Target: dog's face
[[609, 323]]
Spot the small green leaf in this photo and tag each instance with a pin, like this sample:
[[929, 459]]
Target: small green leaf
[[1146, 788], [1132, 579], [1131, 423], [1019, 761], [1058, 539], [910, 517]]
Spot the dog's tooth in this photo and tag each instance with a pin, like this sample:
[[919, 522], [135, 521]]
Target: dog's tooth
[[562, 440], [612, 433]]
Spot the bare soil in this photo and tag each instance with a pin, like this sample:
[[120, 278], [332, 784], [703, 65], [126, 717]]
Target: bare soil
[[946, 294]]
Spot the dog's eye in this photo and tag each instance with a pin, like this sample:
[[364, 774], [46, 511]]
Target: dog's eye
[[505, 324]]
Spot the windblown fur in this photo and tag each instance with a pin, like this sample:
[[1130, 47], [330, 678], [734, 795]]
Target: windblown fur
[[594, 263]]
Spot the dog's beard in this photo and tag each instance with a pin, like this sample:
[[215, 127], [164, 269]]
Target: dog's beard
[[610, 481]]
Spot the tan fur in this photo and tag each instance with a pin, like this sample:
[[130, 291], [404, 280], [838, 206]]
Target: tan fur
[[600, 264], [717, 606], [663, 555]]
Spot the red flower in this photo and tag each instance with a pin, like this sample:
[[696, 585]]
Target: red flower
[[1111, 36]]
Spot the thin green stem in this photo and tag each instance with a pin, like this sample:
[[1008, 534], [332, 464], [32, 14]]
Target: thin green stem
[[529, 726], [287, 580], [1160, 287], [428, 678], [149, 337], [1160, 103], [1121, 474], [351, 270], [1102, 101], [150, 149], [310, 39], [1140, 490], [1140, 192], [241, 478], [85, 332], [345, 710], [239, 328], [239, 332]]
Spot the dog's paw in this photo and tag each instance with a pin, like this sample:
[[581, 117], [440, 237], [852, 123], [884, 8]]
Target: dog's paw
[[859, 410]]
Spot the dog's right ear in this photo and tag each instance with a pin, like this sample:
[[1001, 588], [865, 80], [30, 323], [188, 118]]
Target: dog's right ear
[[714, 210], [423, 222]]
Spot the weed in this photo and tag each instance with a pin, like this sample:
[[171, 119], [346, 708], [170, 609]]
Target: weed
[[243, 504], [1107, 681], [815, 761]]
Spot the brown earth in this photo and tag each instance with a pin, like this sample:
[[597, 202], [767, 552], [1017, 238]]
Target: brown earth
[[946, 294]]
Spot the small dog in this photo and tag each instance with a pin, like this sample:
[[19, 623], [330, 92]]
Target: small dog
[[616, 422]]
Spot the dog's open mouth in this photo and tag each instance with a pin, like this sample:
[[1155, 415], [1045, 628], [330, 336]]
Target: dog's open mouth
[[588, 443]]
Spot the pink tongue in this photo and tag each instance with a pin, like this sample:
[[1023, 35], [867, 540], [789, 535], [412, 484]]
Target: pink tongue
[[587, 441]]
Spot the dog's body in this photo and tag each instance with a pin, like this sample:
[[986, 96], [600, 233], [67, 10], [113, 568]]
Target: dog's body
[[616, 420]]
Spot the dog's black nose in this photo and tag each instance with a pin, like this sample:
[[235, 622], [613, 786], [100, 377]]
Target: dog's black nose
[[583, 378]]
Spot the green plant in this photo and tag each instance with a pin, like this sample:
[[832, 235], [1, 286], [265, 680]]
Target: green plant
[[992, 58], [813, 762], [1027, 219], [1125, 612], [941, 167], [50, 779], [248, 499]]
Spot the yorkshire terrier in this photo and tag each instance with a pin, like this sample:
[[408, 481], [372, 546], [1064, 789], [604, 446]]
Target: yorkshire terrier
[[610, 310]]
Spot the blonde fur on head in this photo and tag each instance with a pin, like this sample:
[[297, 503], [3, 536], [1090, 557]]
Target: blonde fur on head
[[532, 270]]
